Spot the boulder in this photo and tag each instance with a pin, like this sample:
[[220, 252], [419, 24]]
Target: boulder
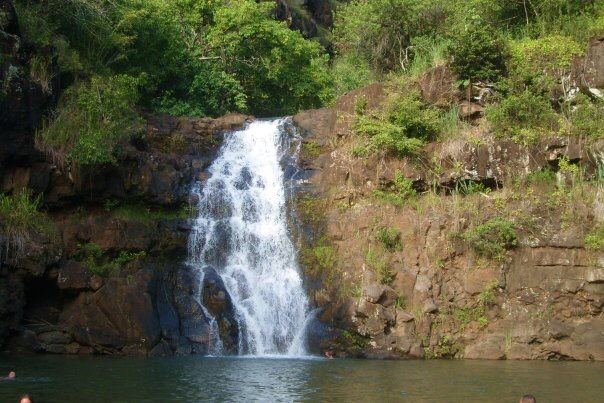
[[117, 315]]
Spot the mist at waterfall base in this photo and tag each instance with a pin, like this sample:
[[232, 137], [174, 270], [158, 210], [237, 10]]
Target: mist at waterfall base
[[241, 231]]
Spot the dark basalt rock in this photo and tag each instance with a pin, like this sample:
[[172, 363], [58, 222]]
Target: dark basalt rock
[[219, 304], [22, 102]]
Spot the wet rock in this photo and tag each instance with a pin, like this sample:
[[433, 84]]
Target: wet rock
[[489, 348], [218, 302], [73, 276], [117, 315], [162, 349], [54, 337]]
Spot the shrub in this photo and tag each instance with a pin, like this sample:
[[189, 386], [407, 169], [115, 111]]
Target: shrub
[[539, 64], [587, 117], [19, 219], [381, 267], [279, 70], [381, 32], [524, 117], [595, 239], [311, 149], [403, 126], [91, 120], [349, 73], [390, 238], [493, 238], [98, 263], [398, 192], [478, 53]]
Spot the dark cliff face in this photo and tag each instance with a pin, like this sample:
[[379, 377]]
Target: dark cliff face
[[22, 101], [109, 279]]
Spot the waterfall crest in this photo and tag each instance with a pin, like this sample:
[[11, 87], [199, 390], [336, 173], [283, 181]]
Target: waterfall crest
[[241, 230]]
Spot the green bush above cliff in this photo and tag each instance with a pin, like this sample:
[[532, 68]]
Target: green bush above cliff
[[92, 118], [198, 57]]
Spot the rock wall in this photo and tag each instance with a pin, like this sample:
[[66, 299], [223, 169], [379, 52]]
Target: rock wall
[[22, 101], [430, 294], [109, 277]]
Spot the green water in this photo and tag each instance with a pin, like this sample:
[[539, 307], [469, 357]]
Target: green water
[[194, 379]]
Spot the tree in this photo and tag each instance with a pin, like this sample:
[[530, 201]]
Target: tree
[[279, 71]]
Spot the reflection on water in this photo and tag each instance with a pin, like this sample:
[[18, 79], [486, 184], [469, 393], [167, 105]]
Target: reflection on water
[[191, 379]]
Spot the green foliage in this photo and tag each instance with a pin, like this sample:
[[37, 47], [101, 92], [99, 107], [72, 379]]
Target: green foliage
[[280, 72], [467, 188], [378, 261], [349, 73], [478, 53], [92, 119], [320, 263], [525, 117], [362, 150], [381, 32], [487, 296], [492, 238], [144, 213], [19, 220], [403, 186], [390, 238], [550, 54], [595, 239], [587, 117], [401, 302], [477, 313], [543, 176], [398, 192], [539, 64], [98, 263], [403, 126], [198, 57], [353, 341], [311, 149], [312, 209], [360, 105]]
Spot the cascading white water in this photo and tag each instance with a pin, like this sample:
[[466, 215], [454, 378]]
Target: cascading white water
[[241, 230]]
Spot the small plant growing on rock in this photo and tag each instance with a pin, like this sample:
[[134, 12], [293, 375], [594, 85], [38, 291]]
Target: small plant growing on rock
[[487, 296], [311, 149], [595, 239], [492, 238], [360, 105], [19, 219], [390, 238], [401, 302], [381, 266], [97, 262], [524, 117]]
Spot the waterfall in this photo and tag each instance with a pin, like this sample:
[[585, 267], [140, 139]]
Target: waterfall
[[241, 230]]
